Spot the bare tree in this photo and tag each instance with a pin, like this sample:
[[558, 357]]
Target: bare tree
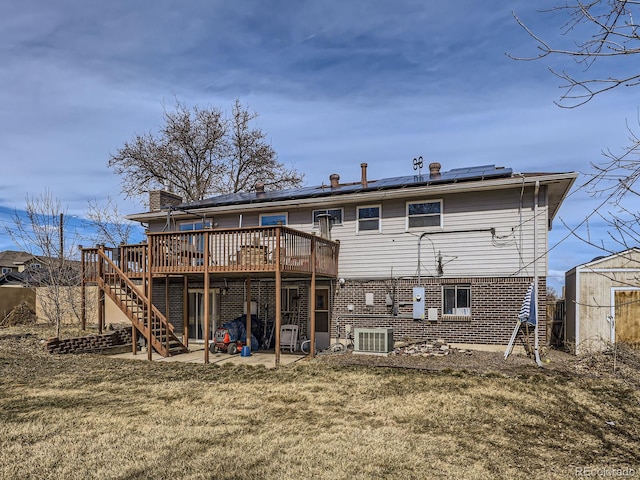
[[600, 30], [602, 35], [109, 225], [200, 152], [251, 158], [41, 231]]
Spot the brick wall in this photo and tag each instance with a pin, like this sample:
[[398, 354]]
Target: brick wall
[[495, 304], [90, 343], [175, 315]]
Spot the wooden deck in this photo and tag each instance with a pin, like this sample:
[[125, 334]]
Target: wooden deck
[[254, 250]]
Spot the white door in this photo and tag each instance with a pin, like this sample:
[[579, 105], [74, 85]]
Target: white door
[[321, 304], [195, 313]]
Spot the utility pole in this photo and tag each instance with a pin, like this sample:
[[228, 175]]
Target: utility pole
[[61, 229]]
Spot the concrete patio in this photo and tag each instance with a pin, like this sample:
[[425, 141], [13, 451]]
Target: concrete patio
[[196, 355]]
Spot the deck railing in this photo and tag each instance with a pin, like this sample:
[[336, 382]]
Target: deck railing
[[254, 249]]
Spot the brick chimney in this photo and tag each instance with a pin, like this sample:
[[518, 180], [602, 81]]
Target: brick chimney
[[334, 178], [363, 179], [434, 170], [162, 198], [259, 189]]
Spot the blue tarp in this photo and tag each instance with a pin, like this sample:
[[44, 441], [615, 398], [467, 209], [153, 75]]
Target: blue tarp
[[238, 331]]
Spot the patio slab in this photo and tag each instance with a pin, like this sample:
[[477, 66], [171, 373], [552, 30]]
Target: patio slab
[[196, 355]]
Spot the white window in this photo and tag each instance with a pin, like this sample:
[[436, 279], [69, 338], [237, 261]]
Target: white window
[[368, 218], [336, 215], [424, 214], [273, 219], [456, 300], [194, 225], [5, 270]]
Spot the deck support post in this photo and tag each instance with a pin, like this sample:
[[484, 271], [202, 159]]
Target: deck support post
[[312, 299], [278, 296], [134, 340], [83, 292], [166, 309], [150, 300], [100, 290], [248, 316], [207, 306], [185, 311]]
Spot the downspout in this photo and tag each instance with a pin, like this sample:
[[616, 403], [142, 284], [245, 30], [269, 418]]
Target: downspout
[[535, 271]]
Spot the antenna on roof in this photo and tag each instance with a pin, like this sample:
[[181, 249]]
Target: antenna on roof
[[417, 165]]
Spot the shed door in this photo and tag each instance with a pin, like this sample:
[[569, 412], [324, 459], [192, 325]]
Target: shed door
[[627, 317]]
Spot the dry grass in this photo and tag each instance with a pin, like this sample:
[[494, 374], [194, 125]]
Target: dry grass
[[94, 417]]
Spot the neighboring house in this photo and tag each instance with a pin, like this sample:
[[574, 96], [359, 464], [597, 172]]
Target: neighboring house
[[12, 281], [473, 238], [603, 302], [14, 261]]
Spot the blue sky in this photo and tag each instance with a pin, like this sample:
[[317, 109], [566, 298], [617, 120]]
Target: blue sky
[[336, 84]]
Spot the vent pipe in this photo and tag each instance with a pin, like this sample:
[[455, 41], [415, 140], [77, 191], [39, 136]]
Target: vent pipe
[[324, 223], [434, 170], [334, 178], [363, 180]]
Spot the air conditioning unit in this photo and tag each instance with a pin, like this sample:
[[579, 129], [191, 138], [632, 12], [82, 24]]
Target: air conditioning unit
[[373, 340]]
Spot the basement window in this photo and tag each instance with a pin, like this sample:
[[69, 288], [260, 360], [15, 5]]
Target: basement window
[[456, 300]]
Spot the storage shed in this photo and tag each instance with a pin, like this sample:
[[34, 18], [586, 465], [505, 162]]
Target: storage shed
[[603, 302]]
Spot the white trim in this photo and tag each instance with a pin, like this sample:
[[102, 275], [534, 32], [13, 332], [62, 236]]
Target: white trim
[[431, 227], [366, 232], [466, 286]]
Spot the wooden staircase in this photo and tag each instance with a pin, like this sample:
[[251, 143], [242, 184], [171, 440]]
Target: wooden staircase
[[135, 305]]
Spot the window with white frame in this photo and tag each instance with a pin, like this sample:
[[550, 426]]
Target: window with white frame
[[5, 270], [369, 218], [273, 219], [424, 214], [456, 300], [336, 215], [194, 225]]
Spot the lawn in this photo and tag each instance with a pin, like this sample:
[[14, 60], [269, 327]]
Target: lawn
[[87, 416]]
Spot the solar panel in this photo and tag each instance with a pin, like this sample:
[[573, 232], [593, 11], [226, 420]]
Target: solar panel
[[452, 176]]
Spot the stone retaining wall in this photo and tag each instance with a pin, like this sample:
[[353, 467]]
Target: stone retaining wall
[[90, 343]]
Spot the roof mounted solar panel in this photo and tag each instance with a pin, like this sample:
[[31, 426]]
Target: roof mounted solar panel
[[452, 176]]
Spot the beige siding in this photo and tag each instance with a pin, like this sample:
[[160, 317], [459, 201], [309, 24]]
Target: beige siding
[[394, 250]]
